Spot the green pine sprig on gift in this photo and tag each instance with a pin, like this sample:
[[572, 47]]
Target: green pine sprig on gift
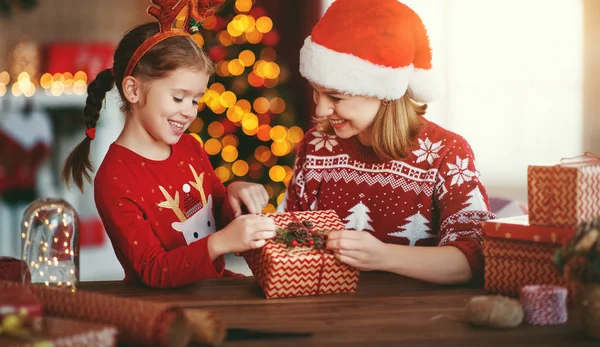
[[297, 234], [579, 258]]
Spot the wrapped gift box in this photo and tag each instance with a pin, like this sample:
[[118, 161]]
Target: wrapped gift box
[[564, 195], [90, 57], [518, 254], [284, 271]]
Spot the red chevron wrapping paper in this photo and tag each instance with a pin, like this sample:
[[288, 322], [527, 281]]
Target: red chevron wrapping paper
[[563, 195], [518, 254], [300, 271]]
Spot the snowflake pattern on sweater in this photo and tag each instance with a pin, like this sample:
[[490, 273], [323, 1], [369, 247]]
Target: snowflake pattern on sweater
[[432, 198]]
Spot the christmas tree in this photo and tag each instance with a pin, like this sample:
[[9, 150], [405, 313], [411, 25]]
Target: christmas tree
[[359, 218], [244, 120], [415, 230], [475, 202]]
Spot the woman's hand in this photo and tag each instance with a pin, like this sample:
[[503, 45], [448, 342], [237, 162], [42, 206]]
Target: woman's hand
[[252, 195], [359, 249]]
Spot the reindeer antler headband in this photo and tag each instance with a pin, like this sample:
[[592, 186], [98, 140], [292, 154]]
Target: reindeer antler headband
[[166, 11]]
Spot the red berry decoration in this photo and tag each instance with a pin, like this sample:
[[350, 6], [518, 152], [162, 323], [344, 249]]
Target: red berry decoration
[[294, 243], [311, 242]]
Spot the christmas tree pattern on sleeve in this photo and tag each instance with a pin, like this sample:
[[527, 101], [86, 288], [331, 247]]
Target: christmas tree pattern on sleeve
[[433, 197]]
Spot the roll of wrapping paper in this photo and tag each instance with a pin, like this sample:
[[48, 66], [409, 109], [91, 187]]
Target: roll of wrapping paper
[[139, 322]]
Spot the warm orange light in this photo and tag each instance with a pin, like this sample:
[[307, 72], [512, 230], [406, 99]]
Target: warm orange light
[[196, 126], [264, 132], [228, 99], [244, 105], [216, 129], [280, 148], [199, 39], [243, 5], [247, 57], [229, 154], [254, 80], [278, 133], [240, 168], [4, 78], [230, 140], [250, 121], [217, 87], [236, 67], [234, 28], [80, 76], [261, 105], [212, 146], [277, 173], [262, 153], [264, 24], [225, 39], [277, 105], [223, 173], [270, 83], [295, 134], [254, 36], [209, 23], [269, 209], [235, 114]]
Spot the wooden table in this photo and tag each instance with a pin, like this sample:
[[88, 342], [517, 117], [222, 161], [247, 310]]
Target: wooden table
[[386, 310]]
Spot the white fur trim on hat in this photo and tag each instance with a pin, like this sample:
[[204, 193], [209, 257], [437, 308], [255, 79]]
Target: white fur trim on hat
[[350, 74], [422, 86]]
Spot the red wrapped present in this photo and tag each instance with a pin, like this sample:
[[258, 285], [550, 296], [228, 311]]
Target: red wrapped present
[[518, 254], [90, 58], [19, 310], [564, 195], [284, 271]]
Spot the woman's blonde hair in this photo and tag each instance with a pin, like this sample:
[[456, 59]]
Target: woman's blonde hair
[[396, 127]]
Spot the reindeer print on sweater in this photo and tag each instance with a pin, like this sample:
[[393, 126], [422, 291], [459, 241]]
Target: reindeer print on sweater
[[196, 220]]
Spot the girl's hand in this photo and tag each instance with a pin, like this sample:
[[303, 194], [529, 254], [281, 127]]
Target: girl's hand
[[358, 249], [242, 234], [252, 195]]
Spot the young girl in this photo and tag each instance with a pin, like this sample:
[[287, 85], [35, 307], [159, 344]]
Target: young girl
[[156, 192], [401, 183]]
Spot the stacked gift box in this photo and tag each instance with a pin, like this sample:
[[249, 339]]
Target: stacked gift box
[[520, 251], [284, 270]]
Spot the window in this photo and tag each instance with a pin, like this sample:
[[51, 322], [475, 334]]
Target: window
[[511, 74]]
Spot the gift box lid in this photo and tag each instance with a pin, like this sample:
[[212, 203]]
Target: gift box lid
[[518, 228]]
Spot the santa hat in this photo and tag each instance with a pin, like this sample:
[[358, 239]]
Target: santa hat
[[377, 48], [191, 204]]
